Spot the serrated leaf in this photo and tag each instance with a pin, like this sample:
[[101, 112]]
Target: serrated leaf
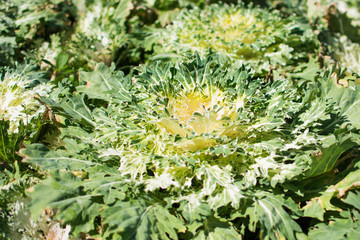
[[329, 154], [352, 180], [190, 151], [123, 10], [353, 198], [194, 211], [255, 36], [105, 83], [268, 211], [63, 191], [214, 228], [214, 176], [229, 195], [307, 71], [314, 209], [49, 159], [344, 227], [107, 182], [136, 220], [73, 106], [346, 98], [317, 112]]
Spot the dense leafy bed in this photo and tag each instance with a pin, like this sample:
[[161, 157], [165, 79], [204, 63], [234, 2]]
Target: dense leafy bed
[[179, 120]]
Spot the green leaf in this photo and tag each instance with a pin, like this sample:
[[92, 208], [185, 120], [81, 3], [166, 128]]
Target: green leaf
[[9, 143], [8, 40], [352, 180], [136, 220], [199, 150], [49, 159], [122, 11], [256, 36], [307, 71], [274, 220], [331, 150], [61, 61], [317, 112], [105, 83], [194, 211], [214, 228], [314, 209], [73, 107], [107, 182], [344, 227], [353, 198], [214, 176], [62, 191], [347, 99]]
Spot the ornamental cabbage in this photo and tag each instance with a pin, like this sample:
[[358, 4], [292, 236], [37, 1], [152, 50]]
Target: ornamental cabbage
[[347, 53], [194, 150], [19, 88], [250, 35]]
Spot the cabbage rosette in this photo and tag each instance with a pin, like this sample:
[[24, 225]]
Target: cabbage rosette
[[19, 88], [249, 35], [193, 150]]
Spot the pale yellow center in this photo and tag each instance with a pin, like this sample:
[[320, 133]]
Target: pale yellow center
[[200, 113], [10, 95], [184, 106], [232, 27], [224, 29]]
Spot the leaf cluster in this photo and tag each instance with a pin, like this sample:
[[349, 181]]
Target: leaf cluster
[[245, 129]]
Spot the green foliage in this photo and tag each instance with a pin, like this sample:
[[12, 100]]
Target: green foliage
[[194, 144], [24, 25], [15, 177], [346, 226], [9, 145], [101, 32], [22, 121]]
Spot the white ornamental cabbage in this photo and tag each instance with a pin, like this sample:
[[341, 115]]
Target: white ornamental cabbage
[[179, 147], [347, 53], [247, 34], [19, 89]]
